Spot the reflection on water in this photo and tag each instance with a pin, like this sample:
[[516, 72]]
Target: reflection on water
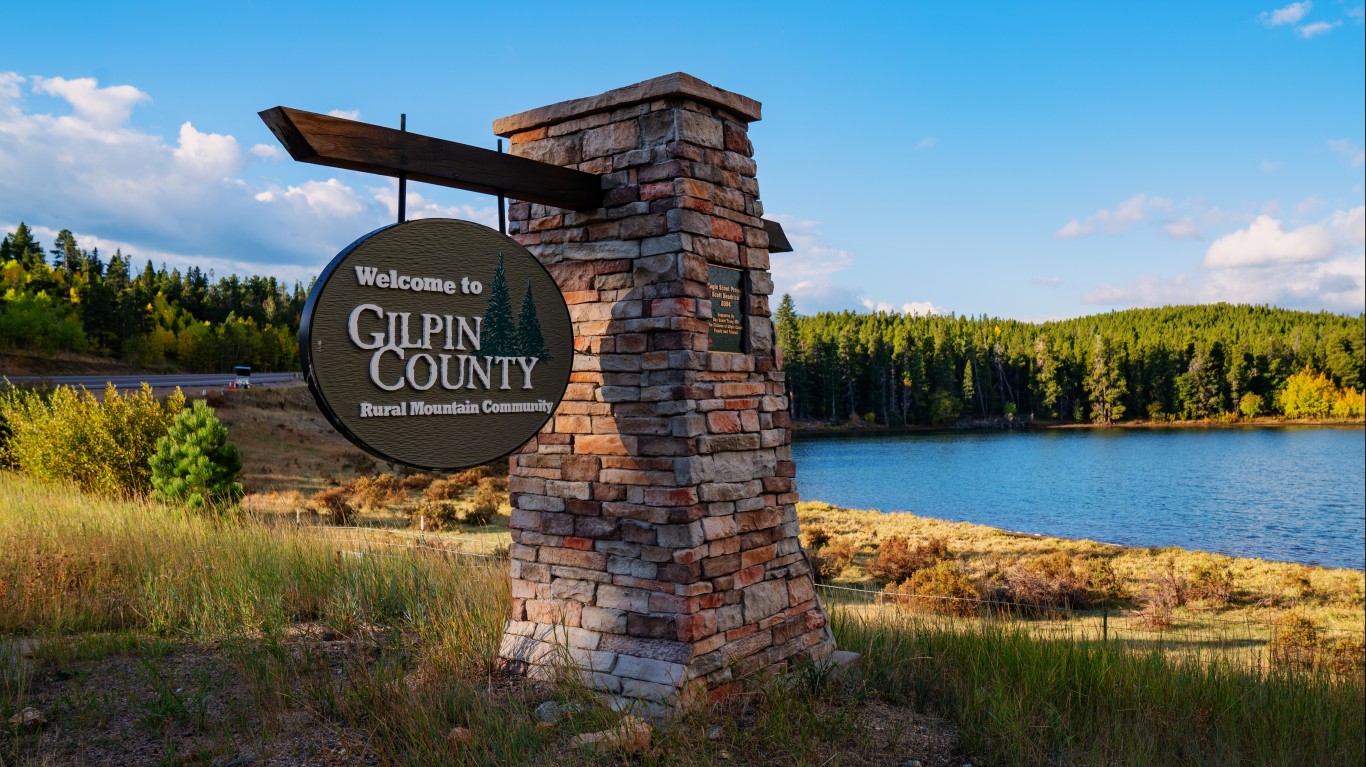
[[1294, 494]]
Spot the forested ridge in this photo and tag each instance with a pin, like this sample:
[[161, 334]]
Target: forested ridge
[[1186, 362], [1213, 361], [70, 298]]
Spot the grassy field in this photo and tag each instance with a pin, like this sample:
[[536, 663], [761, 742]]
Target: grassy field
[[146, 636]]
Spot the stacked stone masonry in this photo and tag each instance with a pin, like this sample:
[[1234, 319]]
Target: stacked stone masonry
[[655, 543]]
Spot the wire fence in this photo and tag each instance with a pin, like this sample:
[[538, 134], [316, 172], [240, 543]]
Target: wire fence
[[1260, 644]]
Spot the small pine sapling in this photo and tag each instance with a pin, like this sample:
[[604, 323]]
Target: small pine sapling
[[195, 464]]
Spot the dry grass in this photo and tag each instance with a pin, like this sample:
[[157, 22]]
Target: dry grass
[[1262, 591]]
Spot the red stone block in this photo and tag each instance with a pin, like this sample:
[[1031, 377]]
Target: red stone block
[[696, 626], [582, 544], [723, 422]]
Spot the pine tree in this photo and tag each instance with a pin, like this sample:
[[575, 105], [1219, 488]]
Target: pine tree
[[195, 464], [499, 334], [530, 342], [1105, 383], [24, 248]]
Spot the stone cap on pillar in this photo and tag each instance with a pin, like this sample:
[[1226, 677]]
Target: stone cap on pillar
[[676, 85]]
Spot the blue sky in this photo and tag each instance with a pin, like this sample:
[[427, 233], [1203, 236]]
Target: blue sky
[[1022, 160]]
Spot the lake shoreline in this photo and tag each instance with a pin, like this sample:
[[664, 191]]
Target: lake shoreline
[[818, 429], [1080, 540]]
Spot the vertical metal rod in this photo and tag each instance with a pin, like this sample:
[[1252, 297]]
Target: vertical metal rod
[[1104, 622], [502, 207], [403, 177]]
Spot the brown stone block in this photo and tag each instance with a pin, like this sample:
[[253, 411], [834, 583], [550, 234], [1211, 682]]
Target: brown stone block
[[611, 138], [667, 446], [749, 576], [681, 496], [651, 626], [575, 542], [589, 560], [715, 567], [573, 424], [596, 527], [676, 572], [776, 484], [681, 515], [605, 445], [727, 443], [607, 493], [723, 422], [554, 611], [785, 469], [749, 558], [696, 626], [749, 421], [800, 590], [743, 403]]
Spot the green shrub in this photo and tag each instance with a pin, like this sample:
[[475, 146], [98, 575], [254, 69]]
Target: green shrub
[[485, 505], [835, 556], [195, 464], [897, 560], [333, 503], [816, 537], [1047, 581], [1213, 583], [102, 444], [940, 588], [1102, 581], [1297, 642], [375, 493]]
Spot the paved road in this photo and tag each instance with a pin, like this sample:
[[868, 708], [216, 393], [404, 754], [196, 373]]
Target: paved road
[[187, 381]]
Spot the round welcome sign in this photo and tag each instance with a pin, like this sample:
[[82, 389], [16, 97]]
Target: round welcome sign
[[436, 343]]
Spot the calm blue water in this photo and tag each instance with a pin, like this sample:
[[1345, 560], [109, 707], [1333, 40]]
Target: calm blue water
[[1292, 494]]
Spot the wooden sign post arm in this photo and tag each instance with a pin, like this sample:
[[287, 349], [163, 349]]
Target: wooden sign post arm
[[340, 143]]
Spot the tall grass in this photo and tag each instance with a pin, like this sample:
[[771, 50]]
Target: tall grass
[[69, 563], [73, 566], [1025, 700]]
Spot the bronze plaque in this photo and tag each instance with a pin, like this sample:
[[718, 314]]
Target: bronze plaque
[[436, 343], [727, 331]]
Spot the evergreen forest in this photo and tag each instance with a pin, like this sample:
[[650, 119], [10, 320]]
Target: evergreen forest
[[70, 298], [1212, 361]]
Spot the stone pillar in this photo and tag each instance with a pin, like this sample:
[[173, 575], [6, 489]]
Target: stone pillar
[[655, 544]]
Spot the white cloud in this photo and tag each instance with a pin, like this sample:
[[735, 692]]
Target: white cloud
[[926, 143], [9, 84], [421, 207], [1357, 14], [345, 114], [1290, 14], [101, 106], [1316, 266], [1349, 226], [90, 171], [1309, 205], [208, 154], [1114, 220], [1265, 242], [808, 272], [330, 198], [1350, 152], [1183, 228], [913, 308], [1317, 28], [268, 152], [1049, 279]]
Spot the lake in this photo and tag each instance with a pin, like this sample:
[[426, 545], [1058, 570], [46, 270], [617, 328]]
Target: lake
[[1292, 494]]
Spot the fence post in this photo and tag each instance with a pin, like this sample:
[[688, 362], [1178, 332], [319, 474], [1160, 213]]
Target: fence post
[[1104, 622]]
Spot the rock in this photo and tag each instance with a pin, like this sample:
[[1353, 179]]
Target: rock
[[632, 735], [550, 711], [29, 718], [460, 737], [714, 732]]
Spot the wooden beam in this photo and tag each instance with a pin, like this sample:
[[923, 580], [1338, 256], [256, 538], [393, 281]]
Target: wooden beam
[[777, 238], [340, 143]]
